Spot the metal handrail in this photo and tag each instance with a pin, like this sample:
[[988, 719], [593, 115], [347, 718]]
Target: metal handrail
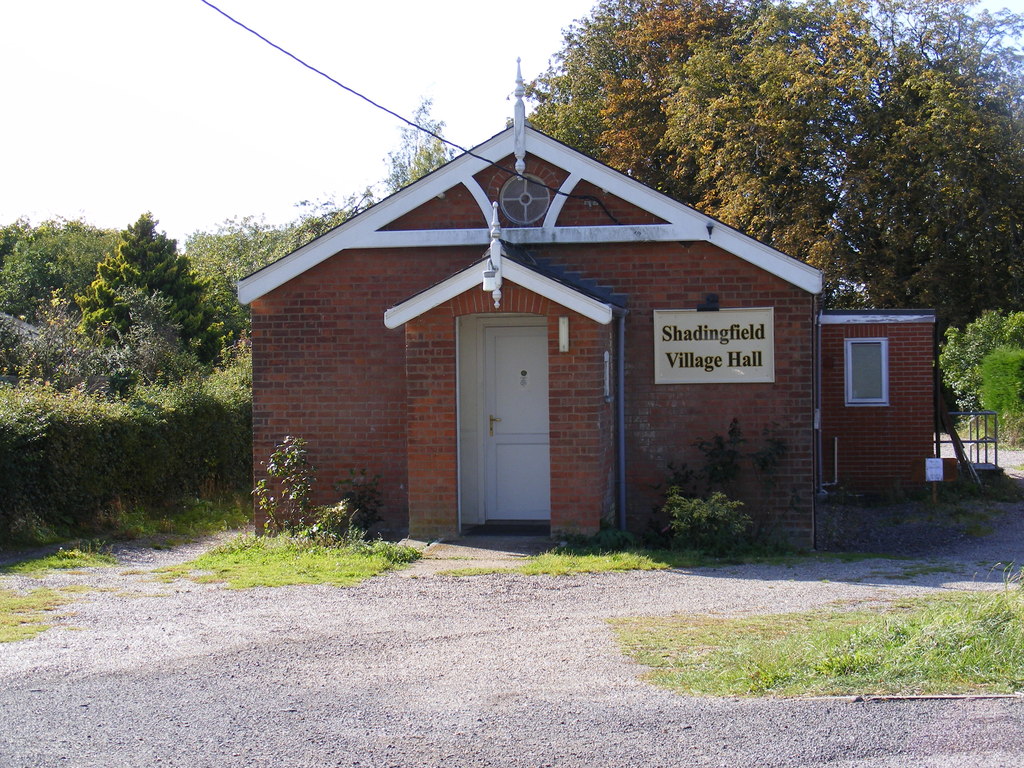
[[981, 442]]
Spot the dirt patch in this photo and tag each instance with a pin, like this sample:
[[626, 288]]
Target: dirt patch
[[921, 527], [496, 552]]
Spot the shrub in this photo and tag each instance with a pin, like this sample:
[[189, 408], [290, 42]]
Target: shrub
[[291, 476], [964, 350], [715, 525], [68, 458], [361, 493], [1002, 381], [722, 456], [334, 527]]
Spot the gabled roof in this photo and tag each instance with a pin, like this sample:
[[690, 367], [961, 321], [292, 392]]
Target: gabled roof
[[565, 292], [367, 230]]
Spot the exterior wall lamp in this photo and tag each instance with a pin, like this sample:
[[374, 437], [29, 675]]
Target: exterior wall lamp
[[710, 303]]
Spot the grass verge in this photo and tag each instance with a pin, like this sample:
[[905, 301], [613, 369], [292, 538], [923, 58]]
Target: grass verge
[[194, 518], [83, 555], [161, 528], [963, 643], [183, 520], [567, 560], [563, 563], [268, 561], [24, 615]]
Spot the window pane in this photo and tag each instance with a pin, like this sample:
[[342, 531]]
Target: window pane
[[866, 371]]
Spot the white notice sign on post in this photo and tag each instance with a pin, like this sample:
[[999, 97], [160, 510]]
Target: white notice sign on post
[[933, 470]]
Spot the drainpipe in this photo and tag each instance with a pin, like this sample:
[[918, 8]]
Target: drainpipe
[[620, 415], [937, 396], [819, 470]]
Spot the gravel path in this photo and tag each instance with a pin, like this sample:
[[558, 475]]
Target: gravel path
[[420, 669]]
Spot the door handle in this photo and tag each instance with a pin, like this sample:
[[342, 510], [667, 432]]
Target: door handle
[[492, 420]]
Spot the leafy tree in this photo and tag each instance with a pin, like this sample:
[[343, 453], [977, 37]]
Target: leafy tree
[[11, 234], [56, 353], [318, 217], [929, 211], [1002, 373], [758, 117], [148, 260], [570, 95], [240, 247], [607, 92], [58, 254], [965, 349], [881, 141], [419, 153], [150, 352]]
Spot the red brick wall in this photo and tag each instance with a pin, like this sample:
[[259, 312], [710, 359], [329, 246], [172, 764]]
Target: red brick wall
[[456, 210], [881, 448], [664, 421], [432, 426], [581, 446], [325, 368]]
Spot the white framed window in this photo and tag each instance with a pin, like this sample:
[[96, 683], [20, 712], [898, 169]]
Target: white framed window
[[867, 371]]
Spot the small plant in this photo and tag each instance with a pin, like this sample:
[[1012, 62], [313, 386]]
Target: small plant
[[723, 461], [360, 492], [607, 539], [722, 456], [288, 465], [334, 526], [715, 525], [263, 561], [767, 458]]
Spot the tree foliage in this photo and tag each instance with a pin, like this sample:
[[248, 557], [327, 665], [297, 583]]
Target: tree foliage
[[881, 141], [58, 352], [148, 261], [965, 349], [58, 254], [606, 91], [1002, 373], [240, 247], [419, 152]]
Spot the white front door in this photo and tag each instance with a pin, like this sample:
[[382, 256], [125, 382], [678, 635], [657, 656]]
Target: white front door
[[517, 466]]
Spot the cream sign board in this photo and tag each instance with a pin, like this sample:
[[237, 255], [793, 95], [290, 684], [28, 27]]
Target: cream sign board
[[730, 346]]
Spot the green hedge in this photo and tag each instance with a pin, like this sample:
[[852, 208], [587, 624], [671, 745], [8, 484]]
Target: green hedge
[[1002, 381], [66, 458]]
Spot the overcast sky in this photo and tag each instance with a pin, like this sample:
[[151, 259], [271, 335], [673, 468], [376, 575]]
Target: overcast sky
[[115, 107], [111, 108]]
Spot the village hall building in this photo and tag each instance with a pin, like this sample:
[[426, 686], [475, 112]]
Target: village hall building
[[527, 336]]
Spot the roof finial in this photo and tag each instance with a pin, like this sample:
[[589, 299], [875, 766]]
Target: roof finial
[[519, 120], [492, 274]]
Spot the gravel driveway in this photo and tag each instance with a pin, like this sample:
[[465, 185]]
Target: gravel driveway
[[433, 670]]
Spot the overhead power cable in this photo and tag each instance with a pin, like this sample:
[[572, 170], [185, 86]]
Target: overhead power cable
[[371, 102]]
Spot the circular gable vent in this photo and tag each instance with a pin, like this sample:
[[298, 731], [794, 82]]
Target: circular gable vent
[[524, 200]]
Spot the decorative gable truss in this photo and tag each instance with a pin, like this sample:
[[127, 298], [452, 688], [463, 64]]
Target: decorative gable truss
[[522, 274], [683, 224]]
